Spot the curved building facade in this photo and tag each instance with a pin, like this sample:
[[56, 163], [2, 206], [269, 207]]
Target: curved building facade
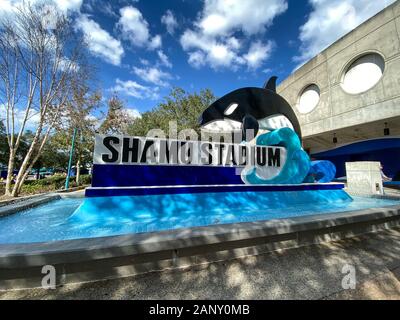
[[347, 98]]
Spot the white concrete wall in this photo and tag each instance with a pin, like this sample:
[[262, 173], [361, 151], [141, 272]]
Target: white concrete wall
[[364, 177]]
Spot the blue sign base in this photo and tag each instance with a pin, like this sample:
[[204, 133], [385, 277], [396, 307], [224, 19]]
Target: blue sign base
[[162, 175]]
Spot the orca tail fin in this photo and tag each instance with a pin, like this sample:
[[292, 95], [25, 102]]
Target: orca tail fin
[[271, 84]]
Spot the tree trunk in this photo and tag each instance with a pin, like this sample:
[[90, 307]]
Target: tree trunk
[[78, 171], [21, 179], [26, 169], [22, 170], [10, 173]]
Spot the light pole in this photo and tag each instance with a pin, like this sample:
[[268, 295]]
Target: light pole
[[70, 159]]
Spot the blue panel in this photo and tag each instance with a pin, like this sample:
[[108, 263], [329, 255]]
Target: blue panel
[[150, 175], [386, 151], [107, 192], [394, 184], [361, 147]]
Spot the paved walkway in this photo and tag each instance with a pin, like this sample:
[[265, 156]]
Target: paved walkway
[[313, 272]]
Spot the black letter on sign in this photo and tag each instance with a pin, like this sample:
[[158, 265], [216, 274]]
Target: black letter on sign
[[274, 159], [130, 150], [261, 156], [146, 147], [107, 142]]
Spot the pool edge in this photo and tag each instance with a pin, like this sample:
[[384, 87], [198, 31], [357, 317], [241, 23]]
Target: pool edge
[[28, 203], [83, 260]]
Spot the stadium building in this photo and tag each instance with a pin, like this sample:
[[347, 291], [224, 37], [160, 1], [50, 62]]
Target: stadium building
[[347, 98]]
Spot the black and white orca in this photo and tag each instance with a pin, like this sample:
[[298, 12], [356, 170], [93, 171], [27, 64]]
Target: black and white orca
[[250, 108]]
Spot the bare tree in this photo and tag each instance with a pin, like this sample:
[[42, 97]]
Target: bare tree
[[40, 54]]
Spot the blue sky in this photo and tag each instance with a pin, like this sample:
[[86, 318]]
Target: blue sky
[[144, 48]]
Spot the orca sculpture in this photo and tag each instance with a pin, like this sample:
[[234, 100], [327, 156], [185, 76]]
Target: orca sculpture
[[251, 107]]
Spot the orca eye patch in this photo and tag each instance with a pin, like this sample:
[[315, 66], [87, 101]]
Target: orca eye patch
[[232, 107]]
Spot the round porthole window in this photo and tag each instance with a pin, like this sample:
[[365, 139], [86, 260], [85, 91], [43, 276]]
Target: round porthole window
[[363, 73], [309, 99]]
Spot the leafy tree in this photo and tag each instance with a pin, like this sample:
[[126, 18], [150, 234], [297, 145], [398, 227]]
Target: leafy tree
[[55, 154], [180, 106], [78, 116], [25, 141], [117, 118]]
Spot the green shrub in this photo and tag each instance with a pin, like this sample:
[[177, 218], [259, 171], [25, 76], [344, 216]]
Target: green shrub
[[57, 181], [86, 179], [53, 183], [35, 188]]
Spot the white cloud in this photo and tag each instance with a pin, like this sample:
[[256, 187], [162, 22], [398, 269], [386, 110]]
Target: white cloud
[[132, 113], [197, 59], [91, 117], [214, 39], [65, 64], [136, 90], [331, 19], [164, 59], [153, 75], [32, 122], [135, 29], [207, 50], [221, 55], [8, 6], [169, 20], [221, 17], [267, 70], [108, 9], [155, 42], [65, 5], [100, 42], [19, 115], [258, 53], [145, 62]]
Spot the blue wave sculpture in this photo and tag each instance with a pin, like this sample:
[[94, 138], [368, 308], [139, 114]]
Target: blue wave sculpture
[[297, 164], [321, 171]]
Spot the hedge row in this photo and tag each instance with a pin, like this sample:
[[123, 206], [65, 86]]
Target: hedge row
[[52, 183]]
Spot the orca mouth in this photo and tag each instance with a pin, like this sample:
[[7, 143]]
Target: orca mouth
[[274, 122], [225, 125], [269, 123]]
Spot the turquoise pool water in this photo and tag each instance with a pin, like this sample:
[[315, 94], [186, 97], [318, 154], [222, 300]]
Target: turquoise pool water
[[106, 216]]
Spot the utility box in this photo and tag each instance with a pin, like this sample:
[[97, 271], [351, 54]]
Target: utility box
[[364, 177]]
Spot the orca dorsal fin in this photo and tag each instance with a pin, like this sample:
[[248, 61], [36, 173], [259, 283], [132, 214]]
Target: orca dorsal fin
[[271, 84]]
